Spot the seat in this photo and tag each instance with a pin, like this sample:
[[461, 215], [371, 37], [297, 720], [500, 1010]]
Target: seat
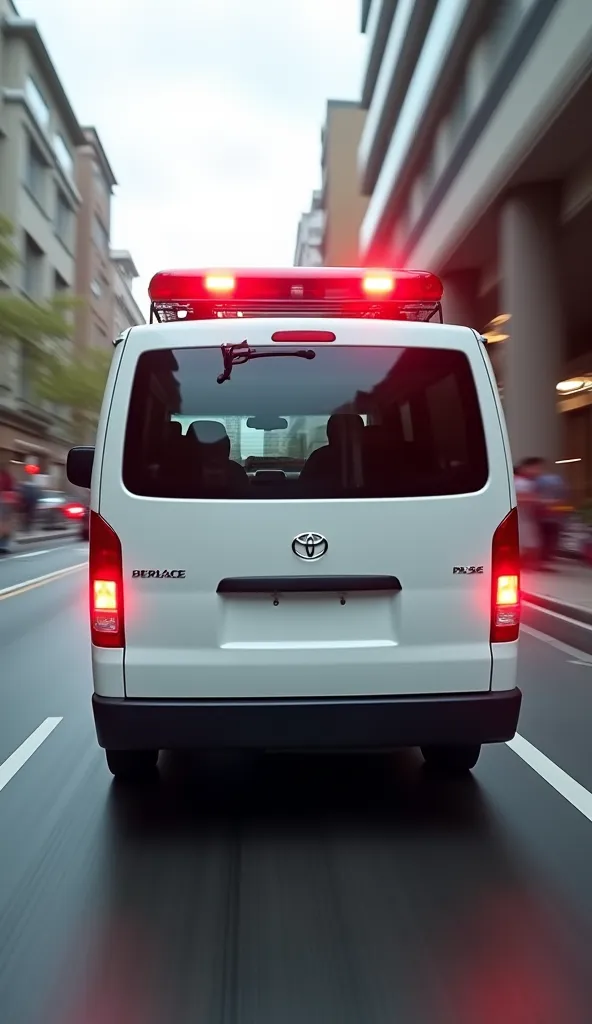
[[171, 469], [213, 472], [337, 465]]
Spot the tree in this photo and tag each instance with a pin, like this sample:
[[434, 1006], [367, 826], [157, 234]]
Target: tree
[[34, 325], [78, 383]]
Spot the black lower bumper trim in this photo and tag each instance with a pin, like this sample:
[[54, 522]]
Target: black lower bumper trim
[[294, 724]]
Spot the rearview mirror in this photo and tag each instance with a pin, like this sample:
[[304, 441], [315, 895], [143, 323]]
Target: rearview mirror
[[79, 466], [267, 423]]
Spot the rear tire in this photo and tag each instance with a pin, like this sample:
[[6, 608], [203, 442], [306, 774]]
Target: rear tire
[[453, 760], [132, 765]]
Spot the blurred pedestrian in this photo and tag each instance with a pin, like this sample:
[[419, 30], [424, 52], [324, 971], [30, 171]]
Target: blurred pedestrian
[[551, 492], [528, 525], [7, 508], [29, 500]]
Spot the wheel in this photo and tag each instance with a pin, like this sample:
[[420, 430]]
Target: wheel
[[454, 760], [132, 765]]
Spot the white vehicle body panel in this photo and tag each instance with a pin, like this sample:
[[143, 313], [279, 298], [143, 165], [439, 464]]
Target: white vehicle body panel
[[186, 641]]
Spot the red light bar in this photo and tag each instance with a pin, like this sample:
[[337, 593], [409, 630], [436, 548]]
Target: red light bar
[[305, 292], [200, 285], [303, 337]]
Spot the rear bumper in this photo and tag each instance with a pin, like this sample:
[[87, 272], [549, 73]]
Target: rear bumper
[[347, 723]]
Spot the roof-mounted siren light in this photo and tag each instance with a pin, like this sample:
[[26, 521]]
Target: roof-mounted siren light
[[407, 287], [219, 284], [378, 282], [185, 286], [415, 294]]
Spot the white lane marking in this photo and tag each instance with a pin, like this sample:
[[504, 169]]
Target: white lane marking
[[32, 554], [562, 783], [46, 551], [41, 579], [557, 615], [582, 664], [580, 656], [21, 755]]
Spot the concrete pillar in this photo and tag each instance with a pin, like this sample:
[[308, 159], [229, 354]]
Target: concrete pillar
[[459, 302], [529, 228]]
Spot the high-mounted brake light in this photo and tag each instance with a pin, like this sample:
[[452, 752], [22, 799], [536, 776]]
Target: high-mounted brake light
[[303, 337], [505, 581], [378, 284], [220, 283], [106, 585]]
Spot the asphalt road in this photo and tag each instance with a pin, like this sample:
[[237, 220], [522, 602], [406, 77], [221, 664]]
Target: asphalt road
[[318, 890]]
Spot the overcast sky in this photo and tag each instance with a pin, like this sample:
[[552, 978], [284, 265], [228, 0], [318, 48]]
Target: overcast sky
[[210, 112]]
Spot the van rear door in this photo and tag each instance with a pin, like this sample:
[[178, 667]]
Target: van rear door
[[319, 523]]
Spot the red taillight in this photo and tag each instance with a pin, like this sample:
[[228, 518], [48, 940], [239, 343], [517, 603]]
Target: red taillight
[[303, 337], [505, 581], [106, 585]]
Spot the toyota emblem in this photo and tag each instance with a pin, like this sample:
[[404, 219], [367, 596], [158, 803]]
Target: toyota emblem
[[310, 546]]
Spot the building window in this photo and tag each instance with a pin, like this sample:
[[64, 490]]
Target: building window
[[60, 285], [64, 156], [32, 268], [458, 112], [101, 187], [37, 103], [502, 29], [96, 289], [100, 236], [35, 172], [63, 221], [27, 367], [100, 339]]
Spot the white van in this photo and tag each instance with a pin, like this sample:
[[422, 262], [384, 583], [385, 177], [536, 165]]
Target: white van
[[303, 527]]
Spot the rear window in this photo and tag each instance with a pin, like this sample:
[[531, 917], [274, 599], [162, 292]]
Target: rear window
[[343, 423]]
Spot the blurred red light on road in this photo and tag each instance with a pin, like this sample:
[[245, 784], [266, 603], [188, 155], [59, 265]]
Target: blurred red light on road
[[74, 511]]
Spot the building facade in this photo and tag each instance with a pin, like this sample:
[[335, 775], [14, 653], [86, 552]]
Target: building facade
[[341, 199], [94, 274], [39, 135], [309, 239], [477, 164], [126, 312]]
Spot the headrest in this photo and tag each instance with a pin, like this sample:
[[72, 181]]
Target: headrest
[[343, 424], [211, 436], [173, 430]]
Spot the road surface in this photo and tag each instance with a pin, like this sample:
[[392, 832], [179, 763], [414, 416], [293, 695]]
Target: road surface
[[317, 890]]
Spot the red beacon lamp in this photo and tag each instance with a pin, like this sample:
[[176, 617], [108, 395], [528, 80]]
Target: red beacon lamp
[[295, 291]]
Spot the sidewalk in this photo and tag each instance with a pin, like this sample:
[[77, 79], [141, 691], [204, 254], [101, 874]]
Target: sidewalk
[[567, 591], [40, 536]]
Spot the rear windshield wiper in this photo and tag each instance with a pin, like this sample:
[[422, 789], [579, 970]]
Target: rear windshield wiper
[[235, 355]]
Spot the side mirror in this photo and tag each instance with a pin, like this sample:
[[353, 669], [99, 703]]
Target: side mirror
[[79, 466]]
